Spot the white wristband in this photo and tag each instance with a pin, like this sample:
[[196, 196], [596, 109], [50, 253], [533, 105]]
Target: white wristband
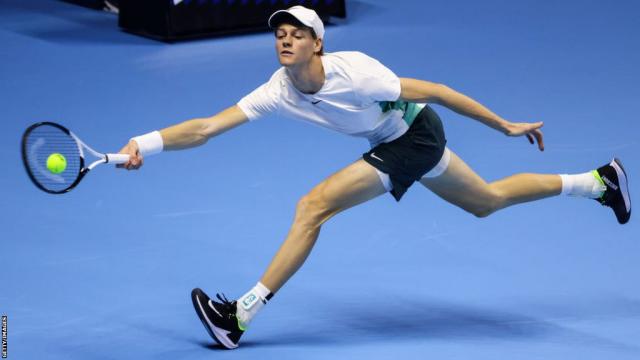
[[149, 144]]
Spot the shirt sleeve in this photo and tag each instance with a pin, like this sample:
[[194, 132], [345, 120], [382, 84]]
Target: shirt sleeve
[[373, 81], [261, 101]]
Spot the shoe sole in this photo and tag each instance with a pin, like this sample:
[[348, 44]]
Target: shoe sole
[[215, 332], [624, 187]]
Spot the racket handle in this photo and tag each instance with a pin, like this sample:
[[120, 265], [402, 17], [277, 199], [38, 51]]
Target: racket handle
[[117, 158]]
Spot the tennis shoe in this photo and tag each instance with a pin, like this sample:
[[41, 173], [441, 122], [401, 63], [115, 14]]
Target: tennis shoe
[[616, 196], [219, 318]]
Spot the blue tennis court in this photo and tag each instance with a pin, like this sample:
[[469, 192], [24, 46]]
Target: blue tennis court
[[106, 271]]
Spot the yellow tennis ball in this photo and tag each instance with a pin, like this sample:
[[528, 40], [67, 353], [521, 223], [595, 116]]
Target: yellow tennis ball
[[56, 163]]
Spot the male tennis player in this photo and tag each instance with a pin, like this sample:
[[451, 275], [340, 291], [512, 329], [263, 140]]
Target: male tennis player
[[354, 94]]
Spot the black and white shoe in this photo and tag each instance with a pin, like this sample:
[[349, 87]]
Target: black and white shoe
[[219, 318], [616, 196]]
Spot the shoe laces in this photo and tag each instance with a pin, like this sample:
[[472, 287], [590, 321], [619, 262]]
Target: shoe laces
[[229, 306]]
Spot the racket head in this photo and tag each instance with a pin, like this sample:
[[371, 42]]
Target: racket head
[[41, 140]]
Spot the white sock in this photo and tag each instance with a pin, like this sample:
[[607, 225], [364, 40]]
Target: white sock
[[586, 185], [250, 303]]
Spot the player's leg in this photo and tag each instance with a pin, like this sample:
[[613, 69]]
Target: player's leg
[[461, 186], [350, 186], [225, 320]]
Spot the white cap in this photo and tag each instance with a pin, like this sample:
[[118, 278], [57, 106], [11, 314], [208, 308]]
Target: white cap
[[306, 16]]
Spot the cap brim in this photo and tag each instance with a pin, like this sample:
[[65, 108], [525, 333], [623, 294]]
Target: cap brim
[[283, 16]]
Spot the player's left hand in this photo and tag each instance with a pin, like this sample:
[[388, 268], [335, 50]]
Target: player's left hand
[[530, 130]]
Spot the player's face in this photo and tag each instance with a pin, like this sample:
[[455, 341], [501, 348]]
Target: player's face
[[295, 45]]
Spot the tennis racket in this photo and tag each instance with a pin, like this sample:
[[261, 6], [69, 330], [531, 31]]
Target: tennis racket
[[45, 139]]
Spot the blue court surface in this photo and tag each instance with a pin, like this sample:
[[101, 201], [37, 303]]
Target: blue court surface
[[105, 271]]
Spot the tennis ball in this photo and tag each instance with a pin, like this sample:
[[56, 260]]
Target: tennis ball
[[56, 163]]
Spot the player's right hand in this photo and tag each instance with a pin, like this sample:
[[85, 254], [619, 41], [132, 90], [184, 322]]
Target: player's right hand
[[135, 158]]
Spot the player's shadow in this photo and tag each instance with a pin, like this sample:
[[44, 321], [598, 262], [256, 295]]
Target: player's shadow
[[423, 321], [409, 321], [347, 324]]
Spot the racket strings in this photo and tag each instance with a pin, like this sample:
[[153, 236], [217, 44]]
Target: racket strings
[[40, 143]]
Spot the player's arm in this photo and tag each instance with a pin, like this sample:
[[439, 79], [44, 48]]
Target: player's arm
[[196, 132], [413, 90], [187, 134]]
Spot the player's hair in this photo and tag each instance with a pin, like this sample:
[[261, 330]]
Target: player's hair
[[315, 37]]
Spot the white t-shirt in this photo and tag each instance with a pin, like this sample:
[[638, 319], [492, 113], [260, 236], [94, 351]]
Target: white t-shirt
[[347, 102]]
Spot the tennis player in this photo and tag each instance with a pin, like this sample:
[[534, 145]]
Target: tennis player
[[355, 94]]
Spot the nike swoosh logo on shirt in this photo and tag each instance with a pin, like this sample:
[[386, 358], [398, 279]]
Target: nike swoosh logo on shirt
[[315, 102]]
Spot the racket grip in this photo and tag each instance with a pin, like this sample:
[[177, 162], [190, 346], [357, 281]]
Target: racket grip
[[117, 158]]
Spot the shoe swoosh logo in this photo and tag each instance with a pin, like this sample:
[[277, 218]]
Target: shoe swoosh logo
[[202, 309], [214, 308], [373, 155]]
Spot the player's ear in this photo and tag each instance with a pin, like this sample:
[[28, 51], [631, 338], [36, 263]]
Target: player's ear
[[317, 47]]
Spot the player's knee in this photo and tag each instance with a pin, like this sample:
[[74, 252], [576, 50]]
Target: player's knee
[[492, 202], [312, 209]]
